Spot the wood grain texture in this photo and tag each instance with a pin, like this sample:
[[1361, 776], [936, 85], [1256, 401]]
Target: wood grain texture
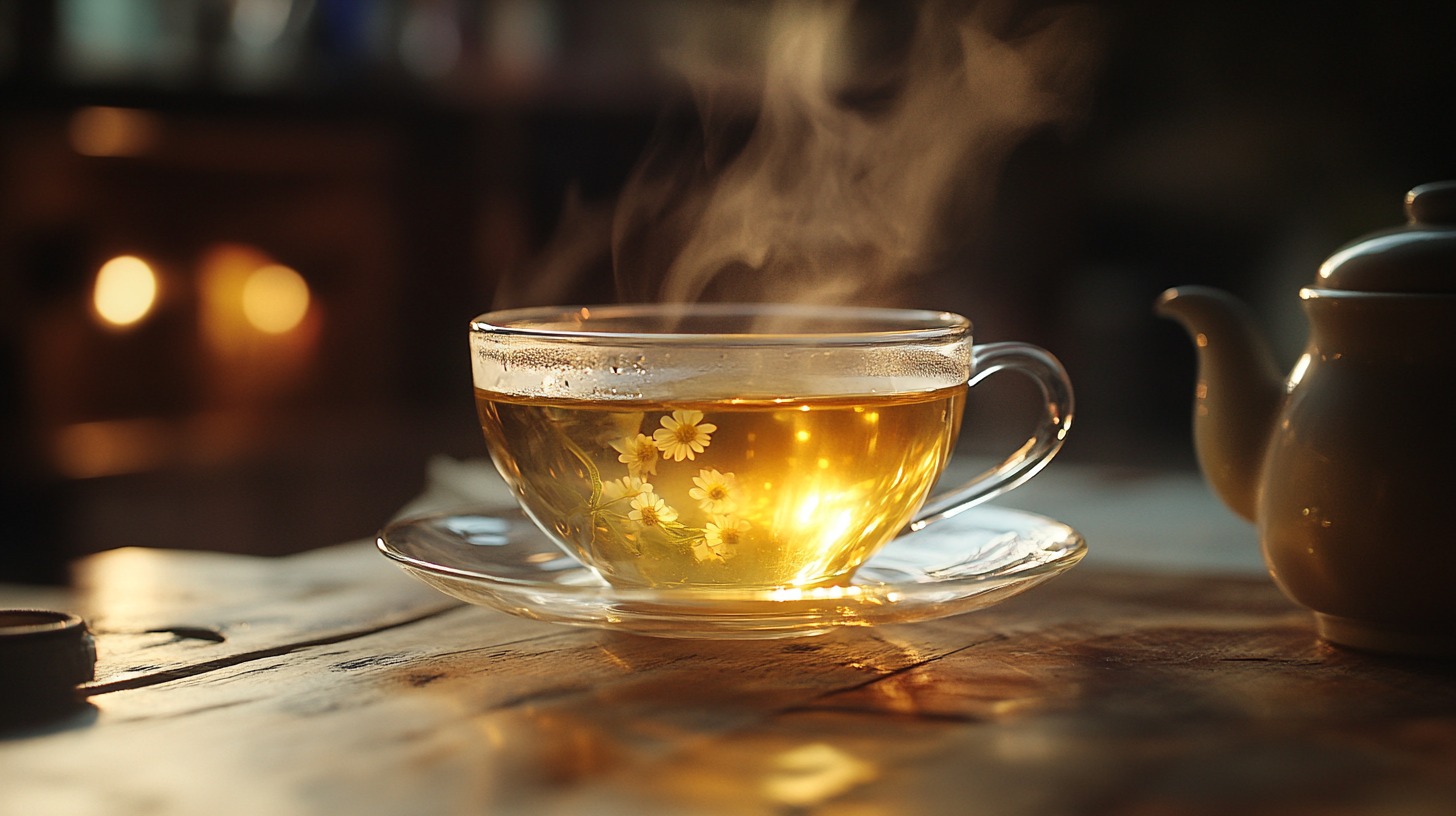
[[159, 615], [342, 686]]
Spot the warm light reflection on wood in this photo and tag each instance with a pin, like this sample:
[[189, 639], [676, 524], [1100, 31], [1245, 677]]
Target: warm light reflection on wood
[[811, 774]]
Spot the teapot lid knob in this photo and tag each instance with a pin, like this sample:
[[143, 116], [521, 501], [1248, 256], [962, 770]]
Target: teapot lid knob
[[1418, 258], [1433, 203]]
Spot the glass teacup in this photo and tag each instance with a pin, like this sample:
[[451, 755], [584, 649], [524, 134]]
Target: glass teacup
[[740, 446]]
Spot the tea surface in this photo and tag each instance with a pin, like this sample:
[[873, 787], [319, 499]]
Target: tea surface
[[744, 493]]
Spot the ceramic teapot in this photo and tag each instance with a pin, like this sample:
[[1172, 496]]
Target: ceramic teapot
[[1348, 465]]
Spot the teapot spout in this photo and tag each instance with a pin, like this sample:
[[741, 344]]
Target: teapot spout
[[1239, 391]]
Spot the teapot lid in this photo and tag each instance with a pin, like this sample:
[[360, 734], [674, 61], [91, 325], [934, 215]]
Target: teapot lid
[[1418, 258]]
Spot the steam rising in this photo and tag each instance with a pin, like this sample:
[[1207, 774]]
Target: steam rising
[[835, 196]]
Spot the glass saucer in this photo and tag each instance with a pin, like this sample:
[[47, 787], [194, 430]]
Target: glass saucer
[[500, 559]]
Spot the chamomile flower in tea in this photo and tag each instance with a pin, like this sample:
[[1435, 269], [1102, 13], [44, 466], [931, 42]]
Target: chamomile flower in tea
[[714, 490], [650, 510], [683, 435], [721, 537], [627, 487], [743, 493], [639, 453]]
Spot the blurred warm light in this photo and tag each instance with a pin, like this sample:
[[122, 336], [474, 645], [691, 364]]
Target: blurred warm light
[[275, 299], [807, 508], [258, 323], [103, 131], [125, 291], [91, 449], [247, 298], [812, 774], [113, 447]]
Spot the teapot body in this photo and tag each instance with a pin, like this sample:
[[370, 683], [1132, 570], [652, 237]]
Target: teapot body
[[1348, 466], [1356, 501]]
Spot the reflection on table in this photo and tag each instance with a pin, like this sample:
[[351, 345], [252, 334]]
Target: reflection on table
[[1164, 674]]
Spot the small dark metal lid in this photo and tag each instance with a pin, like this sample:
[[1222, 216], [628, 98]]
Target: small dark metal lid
[[43, 657], [1418, 258]]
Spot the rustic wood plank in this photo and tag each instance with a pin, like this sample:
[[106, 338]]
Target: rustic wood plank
[[332, 682], [1119, 693], [474, 680], [158, 615], [1101, 692]]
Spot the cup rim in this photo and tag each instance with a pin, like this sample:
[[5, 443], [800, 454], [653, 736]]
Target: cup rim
[[885, 324]]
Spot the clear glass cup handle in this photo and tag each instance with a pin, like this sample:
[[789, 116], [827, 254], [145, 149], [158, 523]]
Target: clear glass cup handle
[[1038, 364]]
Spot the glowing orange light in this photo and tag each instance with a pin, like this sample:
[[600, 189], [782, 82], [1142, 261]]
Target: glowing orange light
[[275, 299], [90, 449], [103, 131], [258, 324], [125, 291]]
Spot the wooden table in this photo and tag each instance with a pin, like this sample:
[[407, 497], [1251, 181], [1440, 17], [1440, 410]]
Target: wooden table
[[329, 682]]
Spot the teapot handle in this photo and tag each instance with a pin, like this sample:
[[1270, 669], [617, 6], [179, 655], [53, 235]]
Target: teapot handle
[[1056, 389]]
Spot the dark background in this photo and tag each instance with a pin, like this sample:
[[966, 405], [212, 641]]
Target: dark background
[[1235, 144]]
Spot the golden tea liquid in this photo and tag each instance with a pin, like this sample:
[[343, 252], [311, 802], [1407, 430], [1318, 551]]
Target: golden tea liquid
[[742, 493]]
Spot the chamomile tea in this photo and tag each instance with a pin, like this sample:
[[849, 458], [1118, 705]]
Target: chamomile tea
[[747, 493]]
